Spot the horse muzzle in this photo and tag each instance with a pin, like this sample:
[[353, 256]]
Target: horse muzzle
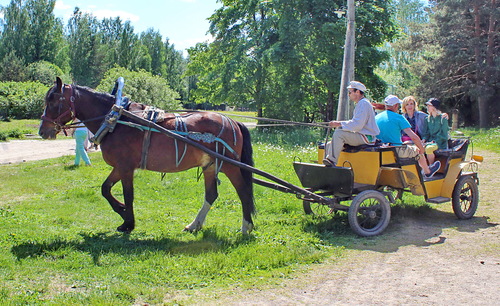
[[48, 132]]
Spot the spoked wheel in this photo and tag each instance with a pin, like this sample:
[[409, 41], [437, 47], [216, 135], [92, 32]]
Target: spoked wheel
[[315, 208], [465, 197], [369, 213]]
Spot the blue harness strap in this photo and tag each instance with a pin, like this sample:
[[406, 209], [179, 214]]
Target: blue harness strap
[[182, 129]]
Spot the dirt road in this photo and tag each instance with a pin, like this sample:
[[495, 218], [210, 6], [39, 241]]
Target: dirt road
[[17, 151], [428, 259]]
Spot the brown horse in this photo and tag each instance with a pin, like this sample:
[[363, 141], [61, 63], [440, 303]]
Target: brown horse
[[123, 149]]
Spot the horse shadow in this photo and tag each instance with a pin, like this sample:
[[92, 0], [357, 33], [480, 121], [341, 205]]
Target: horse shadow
[[420, 226], [100, 244]]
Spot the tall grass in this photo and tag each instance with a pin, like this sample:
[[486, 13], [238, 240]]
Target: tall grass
[[16, 129], [487, 139]]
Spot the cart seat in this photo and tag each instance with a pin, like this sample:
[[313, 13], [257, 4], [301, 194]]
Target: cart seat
[[457, 148], [365, 147]]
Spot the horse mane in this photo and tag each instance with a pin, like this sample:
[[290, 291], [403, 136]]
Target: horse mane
[[101, 96]]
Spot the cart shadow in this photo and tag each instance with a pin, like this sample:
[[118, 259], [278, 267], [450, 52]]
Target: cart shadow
[[101, 244], [416, 226]]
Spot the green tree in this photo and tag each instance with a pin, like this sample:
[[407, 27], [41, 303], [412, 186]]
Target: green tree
[[46, 31], [175, 67], [31, 30], [153, 41], [12, 68], [143, 87], [233, 67], [286, 55], [87, 59], [408, 53], [467, 73], [15, 30]]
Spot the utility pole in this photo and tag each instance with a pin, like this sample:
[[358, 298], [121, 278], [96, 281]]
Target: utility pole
[[343, 109]]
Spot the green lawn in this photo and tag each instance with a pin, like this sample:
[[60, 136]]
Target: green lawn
[[18, 128], [58, 243]]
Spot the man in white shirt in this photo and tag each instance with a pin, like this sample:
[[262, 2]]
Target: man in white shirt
[[361, 129]]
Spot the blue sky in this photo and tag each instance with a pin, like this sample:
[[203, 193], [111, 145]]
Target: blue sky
[[183, 22]]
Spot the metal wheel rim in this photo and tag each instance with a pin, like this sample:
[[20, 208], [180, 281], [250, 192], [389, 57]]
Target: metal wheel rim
[[369, 214], [466, 197]]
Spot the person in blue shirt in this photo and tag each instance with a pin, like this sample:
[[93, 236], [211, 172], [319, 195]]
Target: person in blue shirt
[[391, 124]]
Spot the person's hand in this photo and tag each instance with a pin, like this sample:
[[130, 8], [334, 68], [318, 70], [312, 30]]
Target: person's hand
[[334, 124], [445, 116]]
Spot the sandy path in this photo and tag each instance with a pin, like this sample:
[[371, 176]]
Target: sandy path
[[428, 259], [17, 151]]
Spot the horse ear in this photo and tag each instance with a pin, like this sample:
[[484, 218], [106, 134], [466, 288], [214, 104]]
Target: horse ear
[[59, 85]]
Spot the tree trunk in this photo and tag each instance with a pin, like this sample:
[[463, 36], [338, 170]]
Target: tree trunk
[[329, 107], [481, 77]]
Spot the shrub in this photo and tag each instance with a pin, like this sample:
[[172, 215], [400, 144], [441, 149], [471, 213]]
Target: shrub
[[22, 100], [44, 72], [142, 87]]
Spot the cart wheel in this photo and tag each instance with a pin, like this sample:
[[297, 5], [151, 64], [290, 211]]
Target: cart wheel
[[369, 213], [465, 197], [315, 208]]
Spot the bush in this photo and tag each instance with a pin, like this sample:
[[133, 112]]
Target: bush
[[142, 87], [22, 100], [44, 72]]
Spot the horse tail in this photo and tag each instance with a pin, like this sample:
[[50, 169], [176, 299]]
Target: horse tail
[[247, 158]]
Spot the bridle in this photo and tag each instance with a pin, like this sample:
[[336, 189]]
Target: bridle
[[70, 110]]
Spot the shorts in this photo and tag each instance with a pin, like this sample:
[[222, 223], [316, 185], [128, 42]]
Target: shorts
[[408, 151], [430, 148]]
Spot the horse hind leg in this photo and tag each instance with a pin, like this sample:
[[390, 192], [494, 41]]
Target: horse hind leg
[[244, 188], [124, 210], [211, 195]]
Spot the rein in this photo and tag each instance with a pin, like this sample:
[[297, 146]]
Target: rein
[[284, 122]]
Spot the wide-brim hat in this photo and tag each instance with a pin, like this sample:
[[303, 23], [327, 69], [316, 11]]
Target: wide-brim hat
[[357, 85]]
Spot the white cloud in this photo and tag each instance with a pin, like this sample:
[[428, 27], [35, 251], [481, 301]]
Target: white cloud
[[61, 6]]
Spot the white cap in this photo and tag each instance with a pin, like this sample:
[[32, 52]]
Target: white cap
[[357, 85], [392, 100]]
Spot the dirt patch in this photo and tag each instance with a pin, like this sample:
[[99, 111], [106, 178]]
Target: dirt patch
[[430, 259], [18, 151]]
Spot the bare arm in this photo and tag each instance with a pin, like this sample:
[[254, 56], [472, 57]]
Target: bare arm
[[416, 140]]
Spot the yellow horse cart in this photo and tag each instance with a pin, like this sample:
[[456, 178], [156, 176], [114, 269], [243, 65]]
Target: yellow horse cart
[[372, 177]]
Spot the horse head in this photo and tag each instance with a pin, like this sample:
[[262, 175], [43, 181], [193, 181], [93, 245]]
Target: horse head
[[59, 109]]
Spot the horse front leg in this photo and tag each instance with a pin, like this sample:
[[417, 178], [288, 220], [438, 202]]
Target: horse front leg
[[211, 195], [125, 210]]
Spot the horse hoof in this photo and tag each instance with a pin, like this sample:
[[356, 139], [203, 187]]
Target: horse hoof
[[188, 229], [193, 227], [246, 228], [124, 229]]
